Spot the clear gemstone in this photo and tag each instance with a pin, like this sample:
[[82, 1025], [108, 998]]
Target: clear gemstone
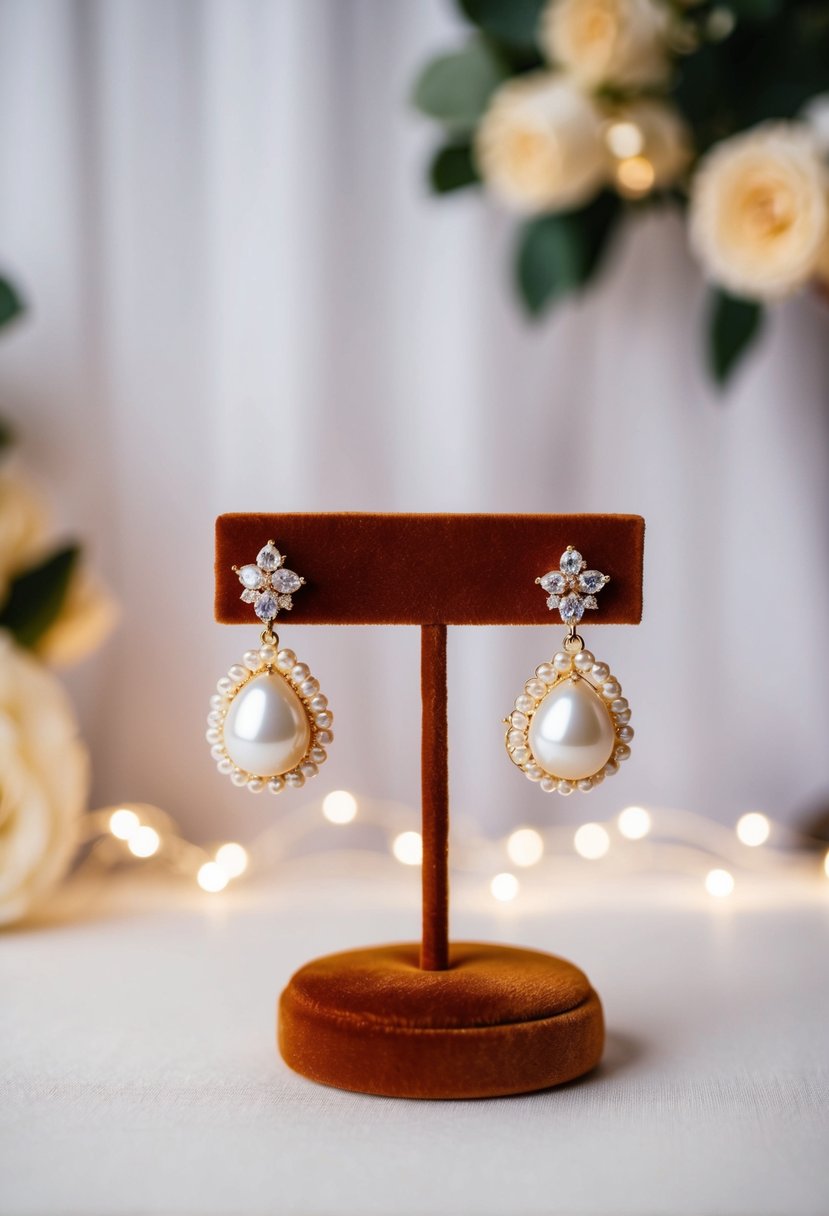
[[269, 557], [552, 602], [590, 601], [249, 596], [592, 580], [571, 608], [266, 606], [571, 561], [286, 581], [285, 602], [554, 582], [250, 576]]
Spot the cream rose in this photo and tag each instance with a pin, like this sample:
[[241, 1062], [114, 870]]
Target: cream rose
[[44, 778], [22, 526], [87, 617], [759, 216], [608, 42], [539, 147], [649, 146]]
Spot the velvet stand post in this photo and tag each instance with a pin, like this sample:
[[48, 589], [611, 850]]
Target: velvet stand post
[[436, 1019]]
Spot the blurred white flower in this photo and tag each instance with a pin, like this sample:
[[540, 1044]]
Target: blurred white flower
[[44, 777], [649, 144], [87, 617], [759, 216], [608, 42], [538, 145], [23, 523]]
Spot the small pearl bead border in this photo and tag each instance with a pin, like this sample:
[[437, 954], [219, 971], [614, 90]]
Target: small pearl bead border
[[269, 660], [564, 666]]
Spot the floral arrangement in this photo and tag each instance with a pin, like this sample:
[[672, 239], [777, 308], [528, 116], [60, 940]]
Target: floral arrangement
[[573, 113], [52, 613]]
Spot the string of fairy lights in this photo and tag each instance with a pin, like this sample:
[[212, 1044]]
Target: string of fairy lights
[[637, 841]]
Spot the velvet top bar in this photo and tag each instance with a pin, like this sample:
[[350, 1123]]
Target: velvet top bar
[[373, 569]]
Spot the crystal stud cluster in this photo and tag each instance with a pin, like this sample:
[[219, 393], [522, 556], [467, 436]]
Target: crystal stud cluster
[[267, 584], [572, 588]]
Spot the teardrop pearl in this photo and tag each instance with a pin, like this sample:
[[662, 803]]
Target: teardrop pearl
[[571, 734], [266, 731]]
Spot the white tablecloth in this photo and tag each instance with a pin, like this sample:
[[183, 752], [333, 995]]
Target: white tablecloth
[[140, 1075]]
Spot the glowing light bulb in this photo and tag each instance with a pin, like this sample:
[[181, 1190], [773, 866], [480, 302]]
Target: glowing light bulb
[[591, 841], [719, 883], [211, 877], [634, 822], [635, 175], [232, 859], [753, 829], [339, 806], [504, 887], [123, 823], [408, 848], [144, 841], [525, 847], [624, 139]]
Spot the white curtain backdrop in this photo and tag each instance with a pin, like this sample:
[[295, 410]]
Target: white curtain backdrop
[[242, 296]]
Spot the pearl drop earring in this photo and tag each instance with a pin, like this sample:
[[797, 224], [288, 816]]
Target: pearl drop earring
[[570, 728], [269, 724]]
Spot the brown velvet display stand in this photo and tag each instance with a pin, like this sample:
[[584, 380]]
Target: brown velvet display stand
[[434, 1019]]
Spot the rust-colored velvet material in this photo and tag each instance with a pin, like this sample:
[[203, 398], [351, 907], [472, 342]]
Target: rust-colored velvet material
[[499, 1021], [434, 785], [363, 569]]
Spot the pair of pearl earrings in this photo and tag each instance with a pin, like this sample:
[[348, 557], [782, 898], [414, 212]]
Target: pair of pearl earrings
[[269, 725]]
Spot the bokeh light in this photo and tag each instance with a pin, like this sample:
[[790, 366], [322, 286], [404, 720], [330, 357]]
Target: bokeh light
[[408, 848], [123, 823], [591, 841], [753, 829], [634, 822], [211, 877], [232, 859], [624, 139], [340, 806], [719, 883], [635, 175], [144, 841], [525, 847], [504, 887]]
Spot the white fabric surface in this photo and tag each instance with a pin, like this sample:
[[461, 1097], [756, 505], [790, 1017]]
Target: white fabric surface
[[242, 297], [141, 1079]]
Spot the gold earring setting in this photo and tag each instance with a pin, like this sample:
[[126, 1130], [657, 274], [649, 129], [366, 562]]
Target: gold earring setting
[[269, 724], [570, 727]]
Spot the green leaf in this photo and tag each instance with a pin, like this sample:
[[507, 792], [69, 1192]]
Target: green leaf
[[452, 168], [36, 597], [514, 21], [559, 254], [455, 89], [755, 10], [11, 305], [733, 326]]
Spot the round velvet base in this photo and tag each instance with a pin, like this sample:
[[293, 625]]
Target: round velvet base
[[499, 1021]]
